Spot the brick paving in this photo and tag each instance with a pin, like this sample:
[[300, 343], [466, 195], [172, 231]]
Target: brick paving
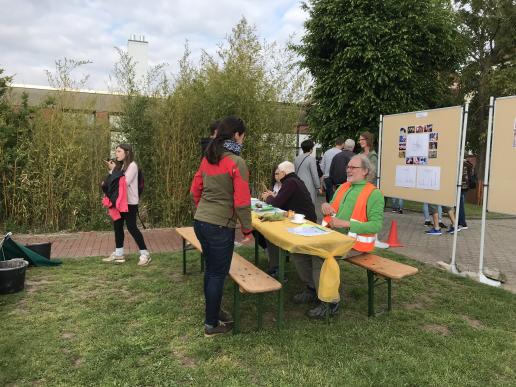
[[500, 249]]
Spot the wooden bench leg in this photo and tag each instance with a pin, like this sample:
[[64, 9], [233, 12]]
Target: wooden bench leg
[[281, 292], [236, 309], [370, 291], [184, 256], [259, 310]]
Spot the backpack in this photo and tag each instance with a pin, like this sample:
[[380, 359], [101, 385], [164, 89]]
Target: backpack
[[141, 182]]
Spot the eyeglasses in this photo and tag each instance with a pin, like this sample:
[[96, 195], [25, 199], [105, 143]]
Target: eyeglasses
[[352, 167], [276, 173], [361, 139]]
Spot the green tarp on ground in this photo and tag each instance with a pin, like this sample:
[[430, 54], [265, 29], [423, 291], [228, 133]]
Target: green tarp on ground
[[10, 249]]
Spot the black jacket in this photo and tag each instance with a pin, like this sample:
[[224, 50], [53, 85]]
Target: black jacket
[[110, 186], [294, 196], [338, 173]]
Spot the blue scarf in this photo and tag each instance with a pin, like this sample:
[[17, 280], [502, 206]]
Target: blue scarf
[[233, 146]]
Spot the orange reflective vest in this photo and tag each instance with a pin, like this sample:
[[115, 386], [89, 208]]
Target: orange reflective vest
[[364, 242]]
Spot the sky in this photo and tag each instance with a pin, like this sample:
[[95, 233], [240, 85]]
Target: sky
[[34, 34]]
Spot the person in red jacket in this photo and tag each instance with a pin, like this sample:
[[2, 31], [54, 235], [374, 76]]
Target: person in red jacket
[[220, 190]]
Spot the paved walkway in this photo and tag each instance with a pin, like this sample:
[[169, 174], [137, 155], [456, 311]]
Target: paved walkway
[[500, 249]]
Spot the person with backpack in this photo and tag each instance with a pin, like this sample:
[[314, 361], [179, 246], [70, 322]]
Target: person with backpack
[[133, 181], [221, 194]]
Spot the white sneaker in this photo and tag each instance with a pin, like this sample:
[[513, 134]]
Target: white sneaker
[[381, 245], [114, 258], [144, 260]]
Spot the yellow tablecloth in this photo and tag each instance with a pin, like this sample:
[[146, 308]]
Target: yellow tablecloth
[[328, 246]]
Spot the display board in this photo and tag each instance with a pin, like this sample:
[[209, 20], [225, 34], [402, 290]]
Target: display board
[[502, 175], [419, 155]]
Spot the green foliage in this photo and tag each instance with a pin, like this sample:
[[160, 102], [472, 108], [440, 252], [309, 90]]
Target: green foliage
[[166, 123], [489, 28], [370, 58], [50, 162]]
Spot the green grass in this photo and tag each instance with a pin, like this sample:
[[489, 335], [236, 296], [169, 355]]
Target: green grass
[[473, 211], [89, 323]]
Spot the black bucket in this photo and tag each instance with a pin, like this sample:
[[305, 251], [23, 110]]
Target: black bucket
[[12, 275], [41, 248]]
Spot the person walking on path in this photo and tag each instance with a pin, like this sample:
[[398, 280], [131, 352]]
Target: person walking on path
[[220, 190], [306, 169], [326, 164], [124, 155]]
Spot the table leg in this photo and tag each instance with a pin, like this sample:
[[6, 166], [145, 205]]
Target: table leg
[[281, 293], [370, 290]]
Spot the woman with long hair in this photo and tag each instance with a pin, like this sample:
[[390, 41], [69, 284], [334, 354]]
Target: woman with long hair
[[124, 155], [220, 189], [366, 141]]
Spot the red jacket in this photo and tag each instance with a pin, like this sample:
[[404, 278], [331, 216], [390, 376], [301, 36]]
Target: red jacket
[[221, 192], [121, 201]]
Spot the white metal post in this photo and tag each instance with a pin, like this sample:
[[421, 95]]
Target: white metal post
[[481, 277], [464, 125], [380, 130]]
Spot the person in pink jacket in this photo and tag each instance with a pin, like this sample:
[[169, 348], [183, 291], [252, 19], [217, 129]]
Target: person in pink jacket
[[124, 154]]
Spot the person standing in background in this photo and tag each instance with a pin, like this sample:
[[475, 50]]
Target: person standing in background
[[124, 155], [339, 164], [366, 141], [326, 164], [306, 169]]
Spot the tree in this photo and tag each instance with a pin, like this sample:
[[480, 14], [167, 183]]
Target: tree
[[376, 57], [489, 28]]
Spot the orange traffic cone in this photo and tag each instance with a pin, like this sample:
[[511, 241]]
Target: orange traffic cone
[[393, 235]]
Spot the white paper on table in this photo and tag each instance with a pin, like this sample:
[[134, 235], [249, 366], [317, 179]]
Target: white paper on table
[[417, 145], [307, 230], [429, 178], [406, 176]]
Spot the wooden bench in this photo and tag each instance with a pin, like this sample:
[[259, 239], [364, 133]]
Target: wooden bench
[[379, 268], [246, 276]]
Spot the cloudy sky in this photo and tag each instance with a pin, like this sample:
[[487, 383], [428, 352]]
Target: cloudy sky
[[33, 34]]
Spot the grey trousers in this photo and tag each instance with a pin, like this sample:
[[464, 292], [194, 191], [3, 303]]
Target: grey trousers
[[308, 267]]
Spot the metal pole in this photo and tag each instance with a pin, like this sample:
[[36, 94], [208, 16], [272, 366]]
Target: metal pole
[[380, 130], [464, 125], [481, 277]]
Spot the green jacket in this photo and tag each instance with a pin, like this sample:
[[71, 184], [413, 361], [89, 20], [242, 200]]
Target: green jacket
[[375, 205]]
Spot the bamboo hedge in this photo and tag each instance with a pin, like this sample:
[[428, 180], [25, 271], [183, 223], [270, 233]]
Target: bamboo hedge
[[50, 157]]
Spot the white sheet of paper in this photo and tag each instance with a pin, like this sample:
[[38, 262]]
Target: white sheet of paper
[[405, 176], [429, 178], [417, 145]]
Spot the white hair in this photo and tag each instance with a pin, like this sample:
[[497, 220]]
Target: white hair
[[349, 144], [287, 167], [365, 163]]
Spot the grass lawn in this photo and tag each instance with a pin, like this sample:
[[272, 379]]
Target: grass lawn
[[91, 323]]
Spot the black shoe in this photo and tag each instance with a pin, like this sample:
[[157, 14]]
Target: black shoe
[[400, 211], [307, 296], [428, 223], [220, 329], [319, 312], [225, 316], [464, 226], [442, 225]]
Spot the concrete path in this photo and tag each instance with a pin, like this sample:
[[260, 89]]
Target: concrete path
[[500, 249]]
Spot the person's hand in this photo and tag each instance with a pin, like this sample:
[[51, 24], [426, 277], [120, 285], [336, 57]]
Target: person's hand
[[247, 238], [266, 194], [110, 164], [338, 223], [321, 190], [326, 209]]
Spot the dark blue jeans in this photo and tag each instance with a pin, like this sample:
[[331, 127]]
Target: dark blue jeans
[[217, 244], [328, 187]]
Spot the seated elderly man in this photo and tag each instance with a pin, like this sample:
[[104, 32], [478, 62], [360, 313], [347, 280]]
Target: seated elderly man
[[356, 209], [294, 196]]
